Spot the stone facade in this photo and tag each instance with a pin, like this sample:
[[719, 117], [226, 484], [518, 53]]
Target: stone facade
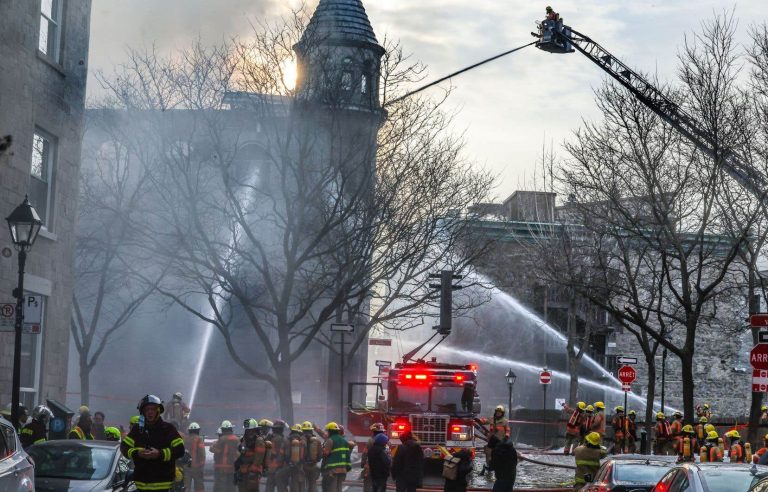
[[42, 92]]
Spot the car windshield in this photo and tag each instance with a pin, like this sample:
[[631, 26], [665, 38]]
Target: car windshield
[[639, 473], [445, 398], [727, 480], [409, 398], [75, 462], [449, 399]]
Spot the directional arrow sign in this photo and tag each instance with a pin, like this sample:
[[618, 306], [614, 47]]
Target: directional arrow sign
[[623, 359], [343, 328]]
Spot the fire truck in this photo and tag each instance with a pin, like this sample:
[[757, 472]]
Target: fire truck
[[436, 401]]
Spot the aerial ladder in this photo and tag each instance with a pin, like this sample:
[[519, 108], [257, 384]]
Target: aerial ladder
[[555, 37]]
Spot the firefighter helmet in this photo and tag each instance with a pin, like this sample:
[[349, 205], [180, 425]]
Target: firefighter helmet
[[581, 405], [226, 424], [764, 408], [331, 426], [734, 434], [712, 436], [112, 434], [709, 428], [279, 424], [377, 427], [703, 420], [600, 405], [194, 426], [706, 406], [619, 409], [41, 413], [83, 410], [265, 423], [678, 414], [660, 416], [688, 429], [134, 420], [296, 428], [307, 426], [150, 400], [590, 408], [178, 395], [593, 438]]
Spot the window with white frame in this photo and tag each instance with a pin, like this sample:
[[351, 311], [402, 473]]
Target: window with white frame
[[49, 42], [42, 176]]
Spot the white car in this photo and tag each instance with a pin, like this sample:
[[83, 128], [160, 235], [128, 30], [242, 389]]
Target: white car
[[17, 471]]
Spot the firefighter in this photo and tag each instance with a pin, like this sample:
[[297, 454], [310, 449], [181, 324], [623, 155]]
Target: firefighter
[[711, 452], [154, 446], [631, 438], [588, 457], [376, 429], [312, 456], [704, 411], [762, 451], [552, 15], [253, 459], [764, 414], [573, 426], [278, 474], [598, 421], [36, 431], [586, 422], [195, 445], [177, 411], [686, 451], [224, 455], [701, 432], [336, 459], [295, 459], [736, 453], [619, 424], [662, 435], [82, 430], [676, 430], [498, 425], [265, 429]]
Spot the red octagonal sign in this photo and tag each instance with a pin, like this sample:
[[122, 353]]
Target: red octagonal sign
[[545, 377], [758, 357], [627, 374]]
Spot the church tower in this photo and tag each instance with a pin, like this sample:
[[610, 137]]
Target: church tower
[[339, 58]]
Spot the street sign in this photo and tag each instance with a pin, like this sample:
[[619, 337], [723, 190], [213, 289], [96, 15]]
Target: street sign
[[623, 359], [343, 328], [627, 374], [545, 377], [758, 357], [384, 342], [759, 381], [762, 337], [626, 387], [383, 363], [33, 315], [758, 320]]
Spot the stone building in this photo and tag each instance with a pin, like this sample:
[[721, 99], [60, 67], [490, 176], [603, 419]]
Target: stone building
[[44, 62]]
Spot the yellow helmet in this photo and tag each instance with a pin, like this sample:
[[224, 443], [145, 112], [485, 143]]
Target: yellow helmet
[[619, 409], [265, 423], [709, 428], [688, 429], [764, 408], [331, 426], [307, 426], [706, 406], [765, 438], [660, 416], [582, 405], [590, 408], [296, 428], [600, 405], [631, 413], [734, 434], [712, 436], [593, 438], [703, 420]]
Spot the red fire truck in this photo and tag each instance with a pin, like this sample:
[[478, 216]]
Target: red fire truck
[[436, 401]]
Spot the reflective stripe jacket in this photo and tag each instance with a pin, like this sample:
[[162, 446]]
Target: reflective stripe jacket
[[598, 423], [587, 462], [32, 433], [336, 451], [225, 452], [573, 425], [77, 433], [196, 447], [159, 473], [736, 454]]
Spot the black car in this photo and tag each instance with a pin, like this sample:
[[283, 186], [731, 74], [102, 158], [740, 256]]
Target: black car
[[630, 473], [711, 477], [79, 465]]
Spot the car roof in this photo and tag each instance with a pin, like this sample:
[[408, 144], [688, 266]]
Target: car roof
[[644, 457], [63, 443]]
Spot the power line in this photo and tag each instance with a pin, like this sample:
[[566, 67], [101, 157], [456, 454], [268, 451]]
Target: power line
[[487, 60]]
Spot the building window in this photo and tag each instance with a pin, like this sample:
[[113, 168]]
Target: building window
[[364, 84], [50, 28], [346, 81], [41, 176]]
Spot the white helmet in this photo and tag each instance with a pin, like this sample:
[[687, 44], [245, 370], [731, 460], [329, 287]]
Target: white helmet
[[194, 426], [41, 413], [226, 424]]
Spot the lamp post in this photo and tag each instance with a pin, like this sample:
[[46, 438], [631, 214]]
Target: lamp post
[[511, 377], [24, 224]]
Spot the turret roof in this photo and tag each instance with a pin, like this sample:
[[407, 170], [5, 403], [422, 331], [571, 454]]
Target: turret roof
[[341, 20]]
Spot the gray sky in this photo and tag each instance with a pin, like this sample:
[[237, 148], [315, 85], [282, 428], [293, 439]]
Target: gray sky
[[508, 109]]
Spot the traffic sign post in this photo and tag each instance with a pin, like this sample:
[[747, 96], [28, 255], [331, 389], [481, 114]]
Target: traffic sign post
[[759, 320], [33, 315], [545, 379], [758, 356], [341, 329], [759, 381]]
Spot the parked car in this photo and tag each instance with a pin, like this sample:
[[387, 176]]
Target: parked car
[[630, 472], [711, 477], [80, 465], [16, 467]]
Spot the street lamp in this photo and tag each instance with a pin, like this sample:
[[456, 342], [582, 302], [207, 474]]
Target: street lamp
[[24, 224], [511, 377]]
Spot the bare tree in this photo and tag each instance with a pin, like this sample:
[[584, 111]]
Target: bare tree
[[285, 210]]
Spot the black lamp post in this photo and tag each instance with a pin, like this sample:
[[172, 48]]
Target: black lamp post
[[511, 377], [24, 224]]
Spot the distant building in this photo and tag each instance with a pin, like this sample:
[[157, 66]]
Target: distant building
[[44, 63]]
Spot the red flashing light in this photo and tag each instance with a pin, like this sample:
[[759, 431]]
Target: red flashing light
[[473, 367], [459, 378], [408, 376], [421, 377], [401, 426], [456, 428]]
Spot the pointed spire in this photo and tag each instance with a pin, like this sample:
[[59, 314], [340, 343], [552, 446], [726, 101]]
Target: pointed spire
[[341, 20]]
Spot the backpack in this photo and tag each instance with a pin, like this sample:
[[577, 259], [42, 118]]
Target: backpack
[[451, 467]]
